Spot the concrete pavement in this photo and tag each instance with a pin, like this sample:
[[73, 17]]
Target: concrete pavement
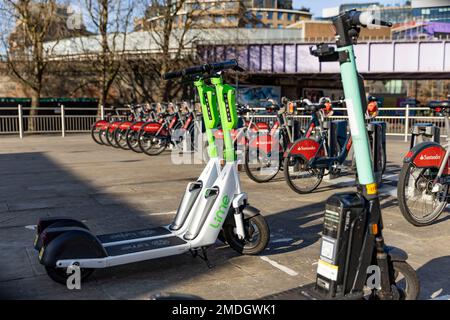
[[115, 190]]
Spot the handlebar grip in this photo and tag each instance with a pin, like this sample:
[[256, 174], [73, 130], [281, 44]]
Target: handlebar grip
[[194, 70], [172, 75], [230, 64], [367, 19]]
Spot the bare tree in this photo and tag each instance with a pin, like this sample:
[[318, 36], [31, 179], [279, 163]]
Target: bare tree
[[110, 20], [169, 23], [26, 26]]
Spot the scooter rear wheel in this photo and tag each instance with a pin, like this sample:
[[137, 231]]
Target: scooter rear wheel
[[59, 275], [257, 235]]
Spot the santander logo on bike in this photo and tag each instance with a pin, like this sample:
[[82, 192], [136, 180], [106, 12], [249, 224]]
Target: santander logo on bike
[[305, 148], [425, 157]]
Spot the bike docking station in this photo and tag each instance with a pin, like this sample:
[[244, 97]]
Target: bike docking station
[[214, 206], [422, 132], [354, 261]]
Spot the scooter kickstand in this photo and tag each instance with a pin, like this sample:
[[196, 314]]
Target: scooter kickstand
[[203, 256]]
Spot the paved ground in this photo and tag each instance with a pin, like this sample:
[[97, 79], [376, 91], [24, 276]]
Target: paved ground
[[116, 190]]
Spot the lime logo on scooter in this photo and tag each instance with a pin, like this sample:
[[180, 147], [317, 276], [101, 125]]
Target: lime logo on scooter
[[218, 217]]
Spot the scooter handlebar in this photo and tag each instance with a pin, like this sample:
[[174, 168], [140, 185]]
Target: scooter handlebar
[[172, 75], [204, 68], [229, 64], [366, 19]]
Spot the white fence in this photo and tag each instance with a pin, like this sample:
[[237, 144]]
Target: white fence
[[64, 120], [61, 120]]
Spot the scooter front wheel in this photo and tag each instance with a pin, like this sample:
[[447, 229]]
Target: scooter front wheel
[[60, 275], [406, 280], [257, 235]]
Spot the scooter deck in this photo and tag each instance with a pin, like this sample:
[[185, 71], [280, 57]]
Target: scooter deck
[[133, 234], [144, 245]]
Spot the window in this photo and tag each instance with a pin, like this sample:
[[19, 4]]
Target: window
[[280, 26], [270, 15], [280, 15], [259, 15], [290, 16], [269, 25], [248, 25], [259, 25]]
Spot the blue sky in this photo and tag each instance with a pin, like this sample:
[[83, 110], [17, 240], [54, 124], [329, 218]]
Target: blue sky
[[317, 5]]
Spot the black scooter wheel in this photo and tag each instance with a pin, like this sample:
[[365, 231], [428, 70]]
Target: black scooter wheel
[[408, 284], [59, 275], [257, 235]]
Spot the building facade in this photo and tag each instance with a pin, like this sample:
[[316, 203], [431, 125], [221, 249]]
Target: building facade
[[415, 10], [229, 14]]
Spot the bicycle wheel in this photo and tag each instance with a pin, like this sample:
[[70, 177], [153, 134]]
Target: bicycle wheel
[[103, 139], [110, 137], [152, 144], [120, 137], [132, 140], [259, 166], [299, 177], [418, 204], [95, 134]]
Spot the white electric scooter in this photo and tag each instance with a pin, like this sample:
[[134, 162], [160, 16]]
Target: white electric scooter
[[213, 203]]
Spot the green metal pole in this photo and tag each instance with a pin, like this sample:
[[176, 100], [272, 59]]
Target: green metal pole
[[356, 117]]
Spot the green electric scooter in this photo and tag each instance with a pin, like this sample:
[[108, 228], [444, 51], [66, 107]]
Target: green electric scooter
[[354, 261]]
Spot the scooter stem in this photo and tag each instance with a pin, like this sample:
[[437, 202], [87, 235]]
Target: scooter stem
[[356, 116]]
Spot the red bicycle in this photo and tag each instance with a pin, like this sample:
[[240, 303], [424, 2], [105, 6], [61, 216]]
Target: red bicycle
[[424, 180], [155, 136]]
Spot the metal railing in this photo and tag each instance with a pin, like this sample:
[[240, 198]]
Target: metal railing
[[396, 125], [69, 120], [21, 120]]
